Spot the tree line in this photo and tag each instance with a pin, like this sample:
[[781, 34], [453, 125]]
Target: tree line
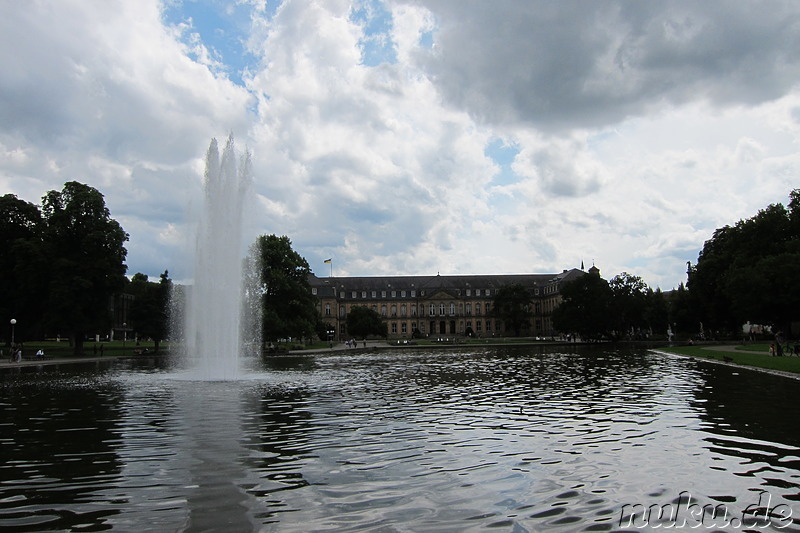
[[64, 261], [746, 272]]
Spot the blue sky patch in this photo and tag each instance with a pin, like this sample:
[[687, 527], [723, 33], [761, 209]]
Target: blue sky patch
[[503, 155], [222, 26], [377, 46]]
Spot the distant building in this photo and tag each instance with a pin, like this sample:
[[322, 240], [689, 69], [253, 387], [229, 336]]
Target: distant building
[[437, 306]]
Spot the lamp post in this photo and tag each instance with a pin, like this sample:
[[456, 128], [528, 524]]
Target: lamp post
[[13, 323], [124, 335]]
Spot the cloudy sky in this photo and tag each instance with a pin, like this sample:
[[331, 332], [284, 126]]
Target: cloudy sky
[[414, 136]]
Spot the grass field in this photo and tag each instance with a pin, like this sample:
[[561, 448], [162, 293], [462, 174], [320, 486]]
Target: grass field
[[740, 357]]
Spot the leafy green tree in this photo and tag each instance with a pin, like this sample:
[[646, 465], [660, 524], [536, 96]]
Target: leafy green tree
[[149, 312], [288, 307], [656, 313], [364, 322], [628, 303], [513, 305], [744, 272], [683, 311], [86, 256], [585, 308], [22, 266]]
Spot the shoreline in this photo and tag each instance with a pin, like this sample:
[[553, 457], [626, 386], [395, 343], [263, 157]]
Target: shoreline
[[383, 346], [732, 348], [70, 360]]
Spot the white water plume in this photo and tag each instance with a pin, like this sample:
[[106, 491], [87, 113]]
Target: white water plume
[[217, 331]]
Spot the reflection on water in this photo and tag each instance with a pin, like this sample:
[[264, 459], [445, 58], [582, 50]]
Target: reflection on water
[[513, 439]]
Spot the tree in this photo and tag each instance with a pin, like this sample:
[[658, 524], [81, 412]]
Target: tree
[[744, 272], [656, 313], [364, 322], [86, 257], [683, 311], [585, 307], [22, 266], [288, 307], [512, 305], [149, 312], [628, 303]]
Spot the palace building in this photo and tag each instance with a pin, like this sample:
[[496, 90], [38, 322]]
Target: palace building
[[437, 306]]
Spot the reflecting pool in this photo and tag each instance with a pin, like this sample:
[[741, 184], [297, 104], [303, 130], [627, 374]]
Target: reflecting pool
[[501, 439]]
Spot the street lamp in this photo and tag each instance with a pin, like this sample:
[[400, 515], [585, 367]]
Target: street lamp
[[13, 323], [124, 335]]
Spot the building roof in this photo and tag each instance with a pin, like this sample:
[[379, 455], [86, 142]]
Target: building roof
[[437, 282]]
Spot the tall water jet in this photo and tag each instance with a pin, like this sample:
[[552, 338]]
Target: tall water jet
[[213, 333]]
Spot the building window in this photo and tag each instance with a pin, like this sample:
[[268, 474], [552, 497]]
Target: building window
[[394, 310], [327, 309], [413, 294], [403, 328], [478, 309], [374, 294], [383, 310], [477, 292], [413, 310], [452, 309], [341, 295], [488, 292], [341, 311], [394, 294], [469, 309], [394, 328], [478, 326], [441, 309], [314, 291], [432, 310], [469, 292], [353, 294], [403, 310], [363, 294], [402, 294], [375, 308]]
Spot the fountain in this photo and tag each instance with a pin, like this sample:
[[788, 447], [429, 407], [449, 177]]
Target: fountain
[[215, 317]]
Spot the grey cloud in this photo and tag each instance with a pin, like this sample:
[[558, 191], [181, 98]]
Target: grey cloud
[[567, 64]]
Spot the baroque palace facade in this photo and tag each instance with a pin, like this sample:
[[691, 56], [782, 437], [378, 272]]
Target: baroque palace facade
[[436, 306]]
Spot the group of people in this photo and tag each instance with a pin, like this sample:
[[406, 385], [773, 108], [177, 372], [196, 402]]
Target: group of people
[[784, 349], [352, 343], [16, 354], [779, 348]]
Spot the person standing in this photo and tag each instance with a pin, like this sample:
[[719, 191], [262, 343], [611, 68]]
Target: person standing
[[779, 343]]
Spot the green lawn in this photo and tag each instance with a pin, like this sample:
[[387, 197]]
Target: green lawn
[[785, 363]]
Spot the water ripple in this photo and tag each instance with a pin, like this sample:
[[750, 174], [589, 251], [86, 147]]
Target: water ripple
[[510, 439]]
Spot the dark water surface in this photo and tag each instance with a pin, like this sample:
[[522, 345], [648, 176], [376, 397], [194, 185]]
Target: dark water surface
[[506, 439]]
